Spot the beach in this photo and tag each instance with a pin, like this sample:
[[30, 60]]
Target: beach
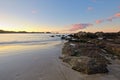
[[32, 62], [59, 39], [40, 61]]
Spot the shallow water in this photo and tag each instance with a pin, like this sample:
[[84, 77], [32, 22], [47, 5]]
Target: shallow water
[[14, 43], [6, 39]]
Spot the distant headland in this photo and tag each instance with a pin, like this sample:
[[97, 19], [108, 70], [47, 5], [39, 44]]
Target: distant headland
[[5, 31]]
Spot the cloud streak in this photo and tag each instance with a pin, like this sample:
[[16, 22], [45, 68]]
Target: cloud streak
[[76, 27], [117, 15], [99, 21], [110, 19]]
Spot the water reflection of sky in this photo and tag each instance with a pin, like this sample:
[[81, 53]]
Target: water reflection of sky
[[19, 48]]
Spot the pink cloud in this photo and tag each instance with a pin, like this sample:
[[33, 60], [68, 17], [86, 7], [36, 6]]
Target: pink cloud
[[98, 21], [90, 8], [76, 27], [117, 15]]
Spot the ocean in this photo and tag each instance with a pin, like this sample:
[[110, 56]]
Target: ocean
[[9, 39]]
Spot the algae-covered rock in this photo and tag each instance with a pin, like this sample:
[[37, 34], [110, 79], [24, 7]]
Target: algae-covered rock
[[86, 65], [85, 58]]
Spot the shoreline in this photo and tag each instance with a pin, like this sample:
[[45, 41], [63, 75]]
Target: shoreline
[[42, 62]]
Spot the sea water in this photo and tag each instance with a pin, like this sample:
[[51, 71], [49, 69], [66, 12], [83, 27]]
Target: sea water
[[8, 39]]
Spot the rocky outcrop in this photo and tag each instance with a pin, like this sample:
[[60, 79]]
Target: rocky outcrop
[[86, 64], [85, 57], [91, 52], [113, 49]]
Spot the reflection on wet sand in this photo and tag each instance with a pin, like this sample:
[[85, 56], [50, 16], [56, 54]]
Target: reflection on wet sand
[[8, 49]]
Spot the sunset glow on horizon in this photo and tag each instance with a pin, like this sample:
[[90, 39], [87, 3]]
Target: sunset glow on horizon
[[60, 15]]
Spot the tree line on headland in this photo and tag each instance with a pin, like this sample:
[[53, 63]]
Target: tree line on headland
[[4, 31]]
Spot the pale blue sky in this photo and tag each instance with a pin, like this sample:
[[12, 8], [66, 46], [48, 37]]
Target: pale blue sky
[[56, 15]]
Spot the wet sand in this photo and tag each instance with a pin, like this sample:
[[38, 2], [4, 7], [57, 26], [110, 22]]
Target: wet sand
[[36, 62], [41, 62]]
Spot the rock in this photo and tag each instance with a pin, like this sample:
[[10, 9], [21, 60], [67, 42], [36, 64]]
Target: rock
[[113, 49], [68, 50], [85, 58], [90, 53], [67, 59], [62, 38], [86, 65], [83, 49], [52, 36]]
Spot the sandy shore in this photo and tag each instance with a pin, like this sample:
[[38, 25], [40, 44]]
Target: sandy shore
[[41, 62]]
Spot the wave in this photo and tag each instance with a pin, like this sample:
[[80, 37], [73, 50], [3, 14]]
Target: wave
[[27, 42]]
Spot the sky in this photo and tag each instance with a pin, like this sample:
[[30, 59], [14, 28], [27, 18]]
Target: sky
[[60, 15]]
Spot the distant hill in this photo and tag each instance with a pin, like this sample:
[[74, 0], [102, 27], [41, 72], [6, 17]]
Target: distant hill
[[4, 31]]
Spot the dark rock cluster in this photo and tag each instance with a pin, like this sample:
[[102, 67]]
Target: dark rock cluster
[[88, 52], [84, 58]]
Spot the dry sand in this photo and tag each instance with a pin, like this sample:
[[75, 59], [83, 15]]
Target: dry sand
[[41, 62]]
